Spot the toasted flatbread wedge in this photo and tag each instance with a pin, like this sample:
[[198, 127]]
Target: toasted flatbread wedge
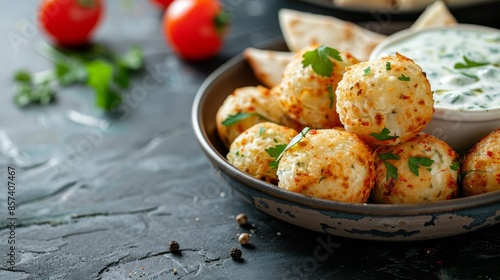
[[415, 5], [365, 5], [268, 66], [302, 29], [434, 15]]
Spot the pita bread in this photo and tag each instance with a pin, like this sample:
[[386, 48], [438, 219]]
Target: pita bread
[[268, 66], [365, 5], [434, 15], [302, 29]]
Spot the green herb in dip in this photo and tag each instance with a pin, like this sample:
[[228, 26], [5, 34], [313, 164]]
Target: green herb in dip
[[463, 66]]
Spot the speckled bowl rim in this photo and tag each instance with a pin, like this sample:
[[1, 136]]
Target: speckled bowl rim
[[202, 100], [442, 112]]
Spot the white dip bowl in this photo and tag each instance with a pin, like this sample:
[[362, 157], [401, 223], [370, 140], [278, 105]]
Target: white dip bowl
[[462, 64]]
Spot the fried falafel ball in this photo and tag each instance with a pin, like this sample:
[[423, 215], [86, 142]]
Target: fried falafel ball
[[307, 96], [329, 164], [245, 107], [481, 166], [248, 150], [385, 101], [420, 170]]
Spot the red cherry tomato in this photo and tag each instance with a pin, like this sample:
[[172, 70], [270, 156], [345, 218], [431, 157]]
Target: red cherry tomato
[[195, 29], [161, 4], [70, 22]]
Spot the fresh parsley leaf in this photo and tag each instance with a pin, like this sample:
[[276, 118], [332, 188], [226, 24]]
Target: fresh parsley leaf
[[391, 170], [367, 71], [388, 65], [384, 135], [469, 64], [28, 93], [232, 119], [319, 59], [100, 79], [276, 151], [404, 78], [273, 152], [70, 73], [388, 156], [455, 165], [415, 162], [331, 96], [94, 65], [22, 76]]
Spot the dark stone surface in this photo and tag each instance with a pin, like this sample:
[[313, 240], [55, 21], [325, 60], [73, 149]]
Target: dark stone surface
[[99, 196]]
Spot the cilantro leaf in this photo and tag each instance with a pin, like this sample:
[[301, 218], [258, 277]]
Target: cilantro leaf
[[388, 65], [273, 152], [415, 162], [331, 96], [391, 170], [455, 165], [319, 59], [366, 71], [384, 135], [469, 64], [404, 78], [100, 77]]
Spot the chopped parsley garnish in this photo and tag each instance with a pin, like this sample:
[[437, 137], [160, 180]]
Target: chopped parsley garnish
[[415, 162], [391, 170], [388, 65], [331, 96], [275, 152], [232, 119], [319, 59], [454, 165], [469, 64], [384, 135], [367, 71], [404, 78], [278, 150]]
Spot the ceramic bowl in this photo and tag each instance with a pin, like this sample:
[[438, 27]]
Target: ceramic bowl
[[459, 128], [354, 220]]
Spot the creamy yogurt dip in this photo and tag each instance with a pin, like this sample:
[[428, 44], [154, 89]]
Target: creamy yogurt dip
[[463, 66]]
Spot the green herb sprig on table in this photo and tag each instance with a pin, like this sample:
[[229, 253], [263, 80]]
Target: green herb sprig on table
[[96, 66]]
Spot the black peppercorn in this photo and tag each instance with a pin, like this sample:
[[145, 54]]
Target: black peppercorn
[[173, 246], [235, 253]]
